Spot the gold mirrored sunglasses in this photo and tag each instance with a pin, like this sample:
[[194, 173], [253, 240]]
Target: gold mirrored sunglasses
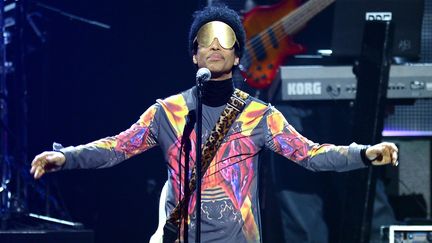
[[216, 29]]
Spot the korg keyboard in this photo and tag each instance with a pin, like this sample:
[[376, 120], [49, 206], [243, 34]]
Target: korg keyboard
[[339, 82]]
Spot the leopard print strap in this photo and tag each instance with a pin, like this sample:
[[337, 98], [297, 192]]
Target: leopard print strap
[[235, 106]]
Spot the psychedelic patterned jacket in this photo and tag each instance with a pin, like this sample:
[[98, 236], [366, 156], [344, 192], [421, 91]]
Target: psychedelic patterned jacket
[[230, 209]]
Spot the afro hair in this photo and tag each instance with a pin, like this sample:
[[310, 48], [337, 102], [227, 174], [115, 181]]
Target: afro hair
[[221, 13]]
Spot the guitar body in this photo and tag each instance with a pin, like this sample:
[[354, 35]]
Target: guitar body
[[262, 62], [157, 237]]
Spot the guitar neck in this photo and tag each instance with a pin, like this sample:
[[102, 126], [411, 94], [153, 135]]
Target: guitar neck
[[296, 19]]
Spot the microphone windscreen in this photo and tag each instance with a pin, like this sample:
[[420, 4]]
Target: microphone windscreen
[[203, 74]]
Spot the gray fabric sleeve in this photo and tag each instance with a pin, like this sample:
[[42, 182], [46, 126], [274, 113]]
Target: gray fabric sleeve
[[283, 139], [110, 151]]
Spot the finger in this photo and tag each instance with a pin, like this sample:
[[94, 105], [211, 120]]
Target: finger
[[39, 172], [383, 155], [389, 155], [385, 159], [35, 175], [32, 169], [394, 147], [374, 153], [391, 146], [39, 157], [38, 163], [35, 160], [390, 152], [395, 158]]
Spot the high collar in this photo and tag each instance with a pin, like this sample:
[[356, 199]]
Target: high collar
[[217, 93]]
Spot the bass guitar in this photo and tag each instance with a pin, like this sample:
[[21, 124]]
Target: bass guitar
[[268, 34]]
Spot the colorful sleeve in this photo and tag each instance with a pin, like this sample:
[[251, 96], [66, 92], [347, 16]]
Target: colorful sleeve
[[283, 139], [110, 151]]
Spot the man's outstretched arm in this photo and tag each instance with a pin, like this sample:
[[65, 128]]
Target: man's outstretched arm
[[282, 138], [104, 152]]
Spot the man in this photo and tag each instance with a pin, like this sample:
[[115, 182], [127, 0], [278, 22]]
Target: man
[[229, 205]]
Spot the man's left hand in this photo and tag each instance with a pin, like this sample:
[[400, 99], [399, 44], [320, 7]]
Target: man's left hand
[[383, 153]]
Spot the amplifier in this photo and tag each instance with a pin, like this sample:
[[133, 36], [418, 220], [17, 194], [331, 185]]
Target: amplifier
[[407, 233], [339, 82]]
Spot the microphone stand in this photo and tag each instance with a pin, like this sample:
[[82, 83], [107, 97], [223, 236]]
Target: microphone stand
[[199, 85]]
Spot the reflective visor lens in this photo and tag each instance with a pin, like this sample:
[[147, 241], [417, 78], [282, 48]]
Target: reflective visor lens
[[216, 29]]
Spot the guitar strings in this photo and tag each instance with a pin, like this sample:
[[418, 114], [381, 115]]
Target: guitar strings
[[278, 29], [281, 30]]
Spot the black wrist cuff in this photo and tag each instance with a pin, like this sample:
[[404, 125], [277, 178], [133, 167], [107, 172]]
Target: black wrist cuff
[[365, 159]]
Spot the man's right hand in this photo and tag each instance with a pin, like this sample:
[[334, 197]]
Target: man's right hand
[[46, 162]]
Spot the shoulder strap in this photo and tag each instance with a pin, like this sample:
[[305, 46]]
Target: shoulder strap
[[235, 106]]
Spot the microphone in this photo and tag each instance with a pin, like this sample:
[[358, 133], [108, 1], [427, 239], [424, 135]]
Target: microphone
[[203, 75]]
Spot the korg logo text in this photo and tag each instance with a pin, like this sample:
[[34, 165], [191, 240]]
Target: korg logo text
[[382, 16], [304, 88]]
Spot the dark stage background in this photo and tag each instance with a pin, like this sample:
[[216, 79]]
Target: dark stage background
[[86, 82]]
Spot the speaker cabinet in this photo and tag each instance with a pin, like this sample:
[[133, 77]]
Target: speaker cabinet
[[409, 184]]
